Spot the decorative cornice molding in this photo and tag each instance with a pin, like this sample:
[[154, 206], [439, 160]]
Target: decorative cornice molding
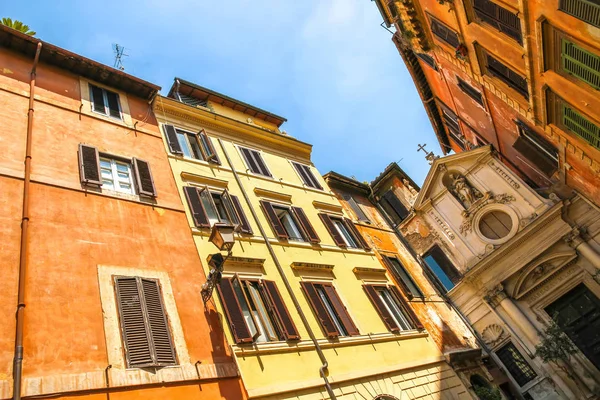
[[500, 171], [369, 270], [204, 180], [304, 266], [243, 262], [552, 282], [265, 193], [442, 225], [328, 206]]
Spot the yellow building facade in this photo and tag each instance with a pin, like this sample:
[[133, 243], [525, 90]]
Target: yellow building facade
[[308, 309]]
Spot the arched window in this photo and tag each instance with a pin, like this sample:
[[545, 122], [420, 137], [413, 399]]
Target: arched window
[[495, 225]]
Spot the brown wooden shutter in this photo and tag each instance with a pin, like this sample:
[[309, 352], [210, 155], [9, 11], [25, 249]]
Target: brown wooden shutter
[[381, 309], [143, 175], [276, 225], [172, 141], [252, 166], [245, 225], [544, 163], [357, 235], [164, 351], [138, 351], [399, 279], [396, 204], [335, 235], [341, 310], [319, 309], [407, 308], [289, 328], [261, 163], [306, 225], [89, 165], [207, 147], [196, 207], [229, 209], [237, 323]]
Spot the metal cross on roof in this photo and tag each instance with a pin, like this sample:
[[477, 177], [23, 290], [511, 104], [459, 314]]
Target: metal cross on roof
[[429, 156]]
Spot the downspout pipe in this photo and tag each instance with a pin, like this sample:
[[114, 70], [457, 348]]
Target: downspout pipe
[[288, 286], [448, 300], [23, 261]]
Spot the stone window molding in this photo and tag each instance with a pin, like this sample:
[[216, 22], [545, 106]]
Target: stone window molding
[[86, 101], [496, 207]]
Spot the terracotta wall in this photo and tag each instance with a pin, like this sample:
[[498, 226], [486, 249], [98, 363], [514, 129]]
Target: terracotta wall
[[73, 231]]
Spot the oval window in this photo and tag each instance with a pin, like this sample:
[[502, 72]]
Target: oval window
[[495, 225]]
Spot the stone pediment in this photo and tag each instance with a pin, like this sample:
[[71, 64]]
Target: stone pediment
[[539, 271], [433, 182]]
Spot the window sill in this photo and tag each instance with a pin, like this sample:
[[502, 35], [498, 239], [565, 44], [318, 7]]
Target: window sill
[[108, 117], [304, 345]]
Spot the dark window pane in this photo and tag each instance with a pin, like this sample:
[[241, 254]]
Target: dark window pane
[[441, 266], [516, 365]]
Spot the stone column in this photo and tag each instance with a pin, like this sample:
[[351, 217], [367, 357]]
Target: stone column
[[498, 297], [575, 240]]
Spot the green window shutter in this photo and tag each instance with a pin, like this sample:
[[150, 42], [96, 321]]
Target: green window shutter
[[580, 63], [581, 126], [585, 10]]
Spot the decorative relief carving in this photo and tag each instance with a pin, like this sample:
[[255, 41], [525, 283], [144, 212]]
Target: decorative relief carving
[[493, 334], [535, 274], [495, 295], [552, 282], [525, 221], [504, 175], [442, 225], [464, 192], [467, 224], [573, 238]]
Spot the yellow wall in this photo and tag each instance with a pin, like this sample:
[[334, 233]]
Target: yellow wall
[[277, 367]]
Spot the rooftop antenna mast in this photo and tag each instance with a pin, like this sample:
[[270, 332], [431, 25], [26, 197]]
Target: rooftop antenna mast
[[119, 54]]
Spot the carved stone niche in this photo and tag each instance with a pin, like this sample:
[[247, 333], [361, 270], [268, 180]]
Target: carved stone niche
[[461, 189]]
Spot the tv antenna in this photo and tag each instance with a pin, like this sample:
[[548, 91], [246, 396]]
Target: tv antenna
[[119, 54]]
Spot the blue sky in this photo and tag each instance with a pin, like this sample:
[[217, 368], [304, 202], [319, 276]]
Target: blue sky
[[325, 65]]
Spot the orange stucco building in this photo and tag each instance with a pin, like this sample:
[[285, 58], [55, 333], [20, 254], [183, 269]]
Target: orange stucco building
[[111, 278], [522, 76]]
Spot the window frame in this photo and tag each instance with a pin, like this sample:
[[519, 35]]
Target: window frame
[[405, 285], [354, 206], [308, 170], [232, 219], [334, 313], [541, 147], [339, 221], [433, 20], [456, 275], [383, 198], [186, 136], [470, 91], [474, 16], [258, 152], [292, 215], [114, 171], [450, 119], [244, 284], [555, 108], [505, 345], [483, 56], [105, 92], [583, 4]]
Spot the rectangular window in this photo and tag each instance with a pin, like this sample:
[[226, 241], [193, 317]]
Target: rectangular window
[[441, 267], [329, 309], [255, 311], [571, 120], [453, 127], [105, 102], [427, 59], [585, 10], [192, 145], [144, 323], [536, 149], [515, 364], [289, 222], [343, 232], [514, 80], [405, 281], [470, 91], [579, 62], [116, 175], [444, 33], [393, 207], [308, 178], [358, 211], [255, 162], [209, 207], [499, 17], [395, 313], [189, 144]]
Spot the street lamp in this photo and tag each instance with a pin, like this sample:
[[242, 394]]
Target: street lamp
[[222, 237]]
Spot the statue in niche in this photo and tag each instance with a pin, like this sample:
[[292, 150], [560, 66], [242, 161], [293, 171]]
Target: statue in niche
[[463, 191]]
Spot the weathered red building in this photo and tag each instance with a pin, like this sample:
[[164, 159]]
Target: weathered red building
[[522, 76], [97, 256]]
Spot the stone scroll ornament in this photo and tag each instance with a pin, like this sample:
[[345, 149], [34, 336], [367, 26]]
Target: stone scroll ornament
[[463, 190]]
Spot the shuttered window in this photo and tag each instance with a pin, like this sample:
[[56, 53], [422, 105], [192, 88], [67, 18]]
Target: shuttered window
[[256, 311], [407, 284], [497, 69], [308, 178], [144, 323], [209, 207], [289, 223], [192, 145], [515, 364], [579, 62], [255, 162], [470, 90], [343, 232], [117, 174], [453, 127], [329, 309], [358, 211], [536, 150], [499, 17], [105, 102], [444, 33], [442, 267], [427, 59], [580, 125], [393, 207], [393, 310], [585, 10]]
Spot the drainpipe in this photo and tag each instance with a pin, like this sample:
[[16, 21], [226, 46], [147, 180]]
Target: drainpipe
[[449, 301], [18, 356], [323, 368]]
